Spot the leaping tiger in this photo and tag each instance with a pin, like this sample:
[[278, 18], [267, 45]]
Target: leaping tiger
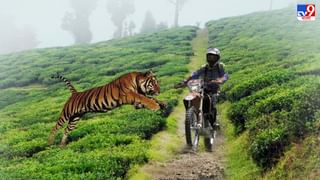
[[130, 88]]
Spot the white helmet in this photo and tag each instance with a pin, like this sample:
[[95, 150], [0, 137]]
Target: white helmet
[[214, 51], [212, 61]]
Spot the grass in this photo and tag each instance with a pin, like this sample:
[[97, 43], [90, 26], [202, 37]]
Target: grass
[[239, 163], [199, 46], [272, 97], [164, 145], [301, 161], [167, 143]]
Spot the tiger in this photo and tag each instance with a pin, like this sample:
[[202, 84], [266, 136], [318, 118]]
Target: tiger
[[132, 88]]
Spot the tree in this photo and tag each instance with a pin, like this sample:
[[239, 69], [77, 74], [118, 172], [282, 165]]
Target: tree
[[198, 24], [13, 39], [125, 32], [77, 23], [270, 6], [119, 10], [28, 38], [149, 23], [162, 26], [131, 27], [178, 7]]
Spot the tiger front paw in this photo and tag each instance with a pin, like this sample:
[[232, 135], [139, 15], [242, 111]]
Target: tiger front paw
[[163, 105], [156, 107]]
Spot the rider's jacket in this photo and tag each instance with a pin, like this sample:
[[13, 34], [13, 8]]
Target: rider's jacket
[[208, 73]]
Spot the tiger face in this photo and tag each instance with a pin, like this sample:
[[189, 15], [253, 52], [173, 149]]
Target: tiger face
[[150, 85]]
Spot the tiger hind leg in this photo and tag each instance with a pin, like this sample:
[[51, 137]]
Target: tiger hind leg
[[71, 125], [55, 129], [138, 105]]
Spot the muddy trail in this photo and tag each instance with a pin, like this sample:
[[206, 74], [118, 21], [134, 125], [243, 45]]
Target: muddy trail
[[189, 164], [192, 165]]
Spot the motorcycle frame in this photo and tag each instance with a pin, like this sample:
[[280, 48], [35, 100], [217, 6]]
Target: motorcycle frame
[[192, 100]]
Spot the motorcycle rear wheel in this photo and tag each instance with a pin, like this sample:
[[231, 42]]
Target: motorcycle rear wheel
[[211, 135], [208, 139]]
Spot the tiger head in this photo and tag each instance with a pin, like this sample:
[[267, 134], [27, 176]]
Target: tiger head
[[149, 84]]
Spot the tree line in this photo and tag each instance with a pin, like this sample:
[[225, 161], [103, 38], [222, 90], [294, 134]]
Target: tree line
[[77, 23]]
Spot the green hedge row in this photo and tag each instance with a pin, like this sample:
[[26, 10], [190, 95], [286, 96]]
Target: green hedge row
[[104, 145], [274, 81]]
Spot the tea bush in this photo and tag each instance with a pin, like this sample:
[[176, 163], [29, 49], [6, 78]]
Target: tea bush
[[105, 145], [268, 145], [273, 79]]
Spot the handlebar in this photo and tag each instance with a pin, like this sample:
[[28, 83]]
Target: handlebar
[[203, 84], [180, 85]]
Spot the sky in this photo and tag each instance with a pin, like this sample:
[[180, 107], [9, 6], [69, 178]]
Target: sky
[[45, 16]]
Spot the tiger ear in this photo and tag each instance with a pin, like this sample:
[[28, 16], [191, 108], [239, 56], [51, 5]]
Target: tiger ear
[[149, 73]]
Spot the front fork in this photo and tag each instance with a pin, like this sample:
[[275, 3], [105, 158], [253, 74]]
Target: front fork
[[196, 100], [208, 119], [201, 115], [203, 124]]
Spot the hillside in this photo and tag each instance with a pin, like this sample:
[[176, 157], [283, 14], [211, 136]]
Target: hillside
[[103, 146], [269, 108], [272, 97]]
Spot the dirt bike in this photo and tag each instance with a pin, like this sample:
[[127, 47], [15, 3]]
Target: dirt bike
[[201, 115]]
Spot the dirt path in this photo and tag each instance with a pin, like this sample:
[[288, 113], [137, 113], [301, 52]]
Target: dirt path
[[188, 164], [191, 165]]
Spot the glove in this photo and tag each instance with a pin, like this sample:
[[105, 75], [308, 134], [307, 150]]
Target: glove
[[180, 84]]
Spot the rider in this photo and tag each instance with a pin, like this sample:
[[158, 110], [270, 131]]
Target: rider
[[212, 73]]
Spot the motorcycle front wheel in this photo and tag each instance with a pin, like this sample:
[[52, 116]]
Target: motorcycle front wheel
[[191, 129]]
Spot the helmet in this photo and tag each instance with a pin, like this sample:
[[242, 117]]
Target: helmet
[[214, 51], [213, 60]]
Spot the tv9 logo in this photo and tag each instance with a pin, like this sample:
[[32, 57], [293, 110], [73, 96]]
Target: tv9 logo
[[306, 12]]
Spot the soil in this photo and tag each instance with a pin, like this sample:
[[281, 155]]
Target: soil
[[189, 164]]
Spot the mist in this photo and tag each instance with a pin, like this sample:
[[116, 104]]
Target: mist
[[45, 23], [77, 22]]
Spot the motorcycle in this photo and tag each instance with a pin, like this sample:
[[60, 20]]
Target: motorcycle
[[201, 115]]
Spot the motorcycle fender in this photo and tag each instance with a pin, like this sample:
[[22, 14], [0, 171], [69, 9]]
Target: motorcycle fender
[[189, 97], [191, 100]]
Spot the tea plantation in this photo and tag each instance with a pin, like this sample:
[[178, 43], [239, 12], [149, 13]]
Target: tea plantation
[[104, 145], [274, 65]]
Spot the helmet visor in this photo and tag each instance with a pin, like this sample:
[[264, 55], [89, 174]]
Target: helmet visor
[[212, 59]]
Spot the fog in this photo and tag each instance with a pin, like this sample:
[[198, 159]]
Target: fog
[[41, 23]]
